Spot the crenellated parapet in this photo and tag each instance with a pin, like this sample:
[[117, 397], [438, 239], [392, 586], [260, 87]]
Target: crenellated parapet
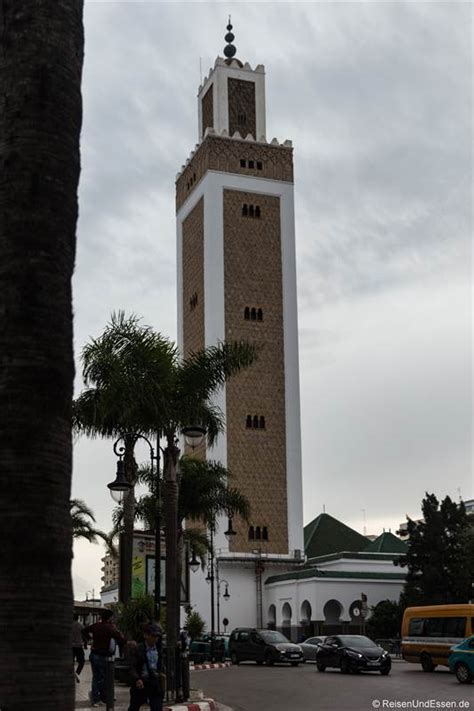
[[271, 160]]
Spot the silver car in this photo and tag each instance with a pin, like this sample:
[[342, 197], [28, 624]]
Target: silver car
[[309, 647]]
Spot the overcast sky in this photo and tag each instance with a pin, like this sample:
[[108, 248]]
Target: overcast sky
[[377, 99]]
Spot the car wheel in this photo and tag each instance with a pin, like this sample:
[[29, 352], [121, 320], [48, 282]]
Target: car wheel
[[234, 658], [385, 671], [269, 661], [463, 673], [320, 667], [303, 661], [345, 666], [427, 663]]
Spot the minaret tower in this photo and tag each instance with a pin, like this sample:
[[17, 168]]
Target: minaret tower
[[237, 281]]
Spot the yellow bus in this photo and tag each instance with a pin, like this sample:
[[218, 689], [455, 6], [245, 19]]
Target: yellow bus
[[429, 632]]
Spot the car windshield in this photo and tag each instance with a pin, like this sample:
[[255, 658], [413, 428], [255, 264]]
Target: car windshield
[[273, 637], [355, 640]]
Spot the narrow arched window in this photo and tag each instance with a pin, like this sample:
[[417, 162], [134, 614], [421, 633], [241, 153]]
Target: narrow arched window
[[247, 313], [259, 315], [242, 162], [265, 533], [251, 533], [253, 315], [251, 164], [257, 211], [251, 212], [262, 422], [245, 210], [257, 533], [249, 421], [255, 422]]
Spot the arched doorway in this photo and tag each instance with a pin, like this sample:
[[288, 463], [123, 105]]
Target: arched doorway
[[286, 614], [306, 626], [332, 617], [271, 617]]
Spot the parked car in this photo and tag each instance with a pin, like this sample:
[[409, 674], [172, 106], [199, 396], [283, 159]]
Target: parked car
[[309, 647], [262, 646], [461, 661], [352, 653], [200, 649]]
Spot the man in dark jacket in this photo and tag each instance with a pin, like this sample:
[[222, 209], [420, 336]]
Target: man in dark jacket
[[145, 668], [104, 636]]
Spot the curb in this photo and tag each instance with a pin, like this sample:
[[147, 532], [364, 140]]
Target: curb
[[206, 705], [216, 665]]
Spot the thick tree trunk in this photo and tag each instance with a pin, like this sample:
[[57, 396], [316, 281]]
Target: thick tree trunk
[[41, 53], [171, 537]]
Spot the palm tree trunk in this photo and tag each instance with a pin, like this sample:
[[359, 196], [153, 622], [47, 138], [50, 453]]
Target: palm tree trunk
[[41, 53], [171, 538]]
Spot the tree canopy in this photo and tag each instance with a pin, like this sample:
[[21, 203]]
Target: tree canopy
[[440, 567]]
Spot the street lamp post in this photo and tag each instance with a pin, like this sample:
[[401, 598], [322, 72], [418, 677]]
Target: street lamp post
[[226, 596], [121, 485]]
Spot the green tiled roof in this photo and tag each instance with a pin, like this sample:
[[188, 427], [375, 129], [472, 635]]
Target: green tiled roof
[[326, 534], [340, 574], [386, 543]]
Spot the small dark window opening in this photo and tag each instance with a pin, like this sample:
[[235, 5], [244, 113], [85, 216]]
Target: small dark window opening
[[259, 315], [247, 313], [265, 533], [251, 533], [249, 421], [255, 422], [245, 210], [262, 422], [259, 165], [257, 211], [253, 315], [251, 212], [251, 164], [242, 119], [187, 185], [242, 163], [257, 533]]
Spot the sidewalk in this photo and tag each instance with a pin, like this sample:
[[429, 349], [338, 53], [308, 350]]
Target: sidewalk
[[122, 696]]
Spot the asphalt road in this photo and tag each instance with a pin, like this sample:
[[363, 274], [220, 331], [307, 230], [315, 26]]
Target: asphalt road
[[249, 687]]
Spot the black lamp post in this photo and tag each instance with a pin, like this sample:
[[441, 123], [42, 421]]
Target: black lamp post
[[226, 596], [121, 486]]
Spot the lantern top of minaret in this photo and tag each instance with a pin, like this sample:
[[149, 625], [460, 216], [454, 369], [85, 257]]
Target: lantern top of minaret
[[229, 49]]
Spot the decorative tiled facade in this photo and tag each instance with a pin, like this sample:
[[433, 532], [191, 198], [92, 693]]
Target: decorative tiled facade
[[242, 114], [256, 456], [226, 155], [193, 279], [208, 109]]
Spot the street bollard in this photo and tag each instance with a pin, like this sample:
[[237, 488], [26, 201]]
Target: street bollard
[[109, 683], [185, 678]]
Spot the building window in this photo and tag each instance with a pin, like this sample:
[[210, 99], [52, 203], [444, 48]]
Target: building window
[[193, 301], [251, 533], [251, 211], [242, 163], [257, 211], [262, 422], [242, 118], [257, 533], [265, 533], [259, 165], [259, 315], [253, 314], [245, 210], [249, 421], [257, 422], [251, 164], [247, 313]]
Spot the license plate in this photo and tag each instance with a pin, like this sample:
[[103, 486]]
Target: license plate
[[295, 656], [372, 664]]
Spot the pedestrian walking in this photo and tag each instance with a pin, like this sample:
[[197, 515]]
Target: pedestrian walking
[[104, 636], [78, 643], [145, 671]]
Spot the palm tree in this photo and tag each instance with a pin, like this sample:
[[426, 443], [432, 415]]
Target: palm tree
[[123, 371], [138, 384], [40, 122], [82, 525]]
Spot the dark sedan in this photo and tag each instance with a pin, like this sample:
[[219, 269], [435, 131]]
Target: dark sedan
[[309, 647], [352, 653]]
